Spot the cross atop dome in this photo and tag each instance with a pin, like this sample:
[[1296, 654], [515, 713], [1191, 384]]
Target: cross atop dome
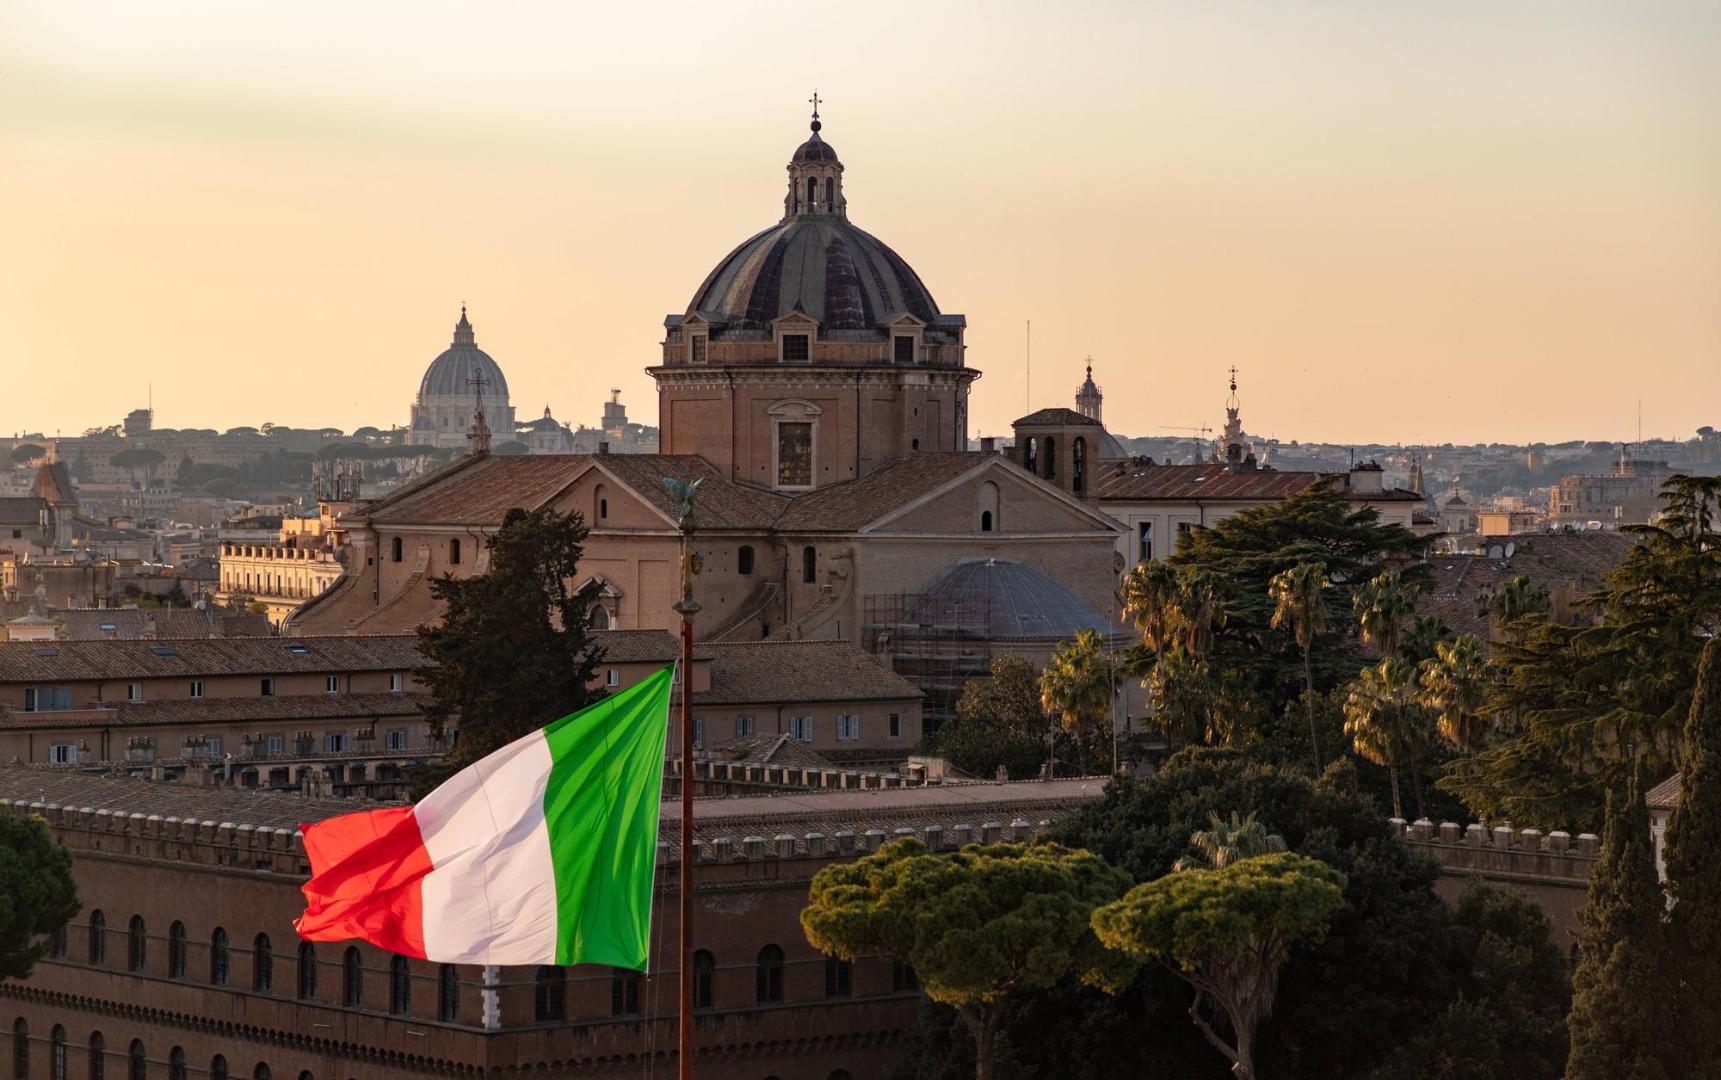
[[815, 100], [463, 330]]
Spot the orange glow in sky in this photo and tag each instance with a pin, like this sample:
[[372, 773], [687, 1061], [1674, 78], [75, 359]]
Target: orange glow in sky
[[1461, 221]]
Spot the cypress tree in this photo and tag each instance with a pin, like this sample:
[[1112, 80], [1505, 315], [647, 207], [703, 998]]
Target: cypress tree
[[1693, 859], [1618, 990]]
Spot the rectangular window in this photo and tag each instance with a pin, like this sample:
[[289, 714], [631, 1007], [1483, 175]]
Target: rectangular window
[[743, 726], [904, 350], [848, 727], [214, 744], [134, 691], [801, 728], [335, 742], [1144, 553], [795, 454], [895, 725], [47, 698], [332, 684], [397, 739], [63, 753], [612, 677], [698, 341], [196, 688], [699, 731], [277, 743], [396, 682], [795, 348], [268, 687]]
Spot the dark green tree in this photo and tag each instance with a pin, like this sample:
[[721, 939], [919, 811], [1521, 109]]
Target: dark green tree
[[999, 722], [1618, 1022], [1694, 872], [512, 652], [977, 926], [37, 895], [1226, 932], [27, 454]]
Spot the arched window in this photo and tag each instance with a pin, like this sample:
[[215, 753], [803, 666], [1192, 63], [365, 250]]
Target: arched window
[[454, 552], [98, 937], [352, 979], [704, 966], [57, 1053], [768, 975], [448, 998], [307, 971], [261, 1072], [20, 1049], [830, 191], [98, 1056], [549, 995], [218, 1068], [1078, 466], [985, 521], [812, 191], [176, 1064], [176, 950], [809, 565], [624, 992], [262, 964], [394, 549], [1050, 454], [136, 945], [744, 559], [399, 986], [138, 1062], [218, 957], [599, 619], [1031, 454], [839, 977], [600, 504]]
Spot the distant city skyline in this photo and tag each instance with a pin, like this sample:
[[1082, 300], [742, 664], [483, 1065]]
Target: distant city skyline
[[1471, 225]]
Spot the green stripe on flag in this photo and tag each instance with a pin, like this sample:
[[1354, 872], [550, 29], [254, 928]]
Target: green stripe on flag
[[601, 807]]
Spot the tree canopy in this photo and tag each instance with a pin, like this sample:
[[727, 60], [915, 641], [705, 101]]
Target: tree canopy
[[999, 723], [512, 652], [977, 925], [37, 895]]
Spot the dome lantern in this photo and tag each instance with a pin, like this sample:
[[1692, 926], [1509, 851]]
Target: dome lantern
[[815, 176]]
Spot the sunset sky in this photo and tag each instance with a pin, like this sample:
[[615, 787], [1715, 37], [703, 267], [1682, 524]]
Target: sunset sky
[[1402, 221]]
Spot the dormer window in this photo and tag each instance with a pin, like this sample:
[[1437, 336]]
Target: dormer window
[[795, 349], [904, 349]]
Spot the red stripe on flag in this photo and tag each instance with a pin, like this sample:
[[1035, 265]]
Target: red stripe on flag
[[366, 874]]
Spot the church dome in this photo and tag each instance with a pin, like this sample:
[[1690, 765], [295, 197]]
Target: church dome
[[814, 149], [821, 265], [453, 373]]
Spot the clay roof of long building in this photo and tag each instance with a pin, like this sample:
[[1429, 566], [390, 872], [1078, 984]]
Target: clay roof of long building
[[217, 710], [797, 672], [55, 661]]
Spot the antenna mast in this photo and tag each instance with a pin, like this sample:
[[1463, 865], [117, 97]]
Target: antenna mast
[[1028, 382]]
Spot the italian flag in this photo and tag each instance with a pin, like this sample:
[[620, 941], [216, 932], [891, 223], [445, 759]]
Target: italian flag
[[541, 853]]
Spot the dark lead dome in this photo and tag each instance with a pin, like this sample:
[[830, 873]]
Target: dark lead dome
[[1002, 601], [452, 374], [814, 149], [844, 277]]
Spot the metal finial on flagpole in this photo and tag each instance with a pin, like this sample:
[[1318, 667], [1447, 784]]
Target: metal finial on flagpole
[[687, 607]]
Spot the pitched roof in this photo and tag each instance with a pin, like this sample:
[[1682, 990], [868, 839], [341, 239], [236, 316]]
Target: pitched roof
[[856, 503], [227, 710], [1462, 585], [769, 750], [477, 490], [797, 672], [197, 802], [638, 646], [97, 624], [18, 510], [1133, 481], [53, 483], [37, 662], [721, 504], [1056, 417], [1665, 795]]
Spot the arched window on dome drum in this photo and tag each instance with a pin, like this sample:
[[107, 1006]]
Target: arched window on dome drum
[[744, 559], [1050, 453], [1078, 467]]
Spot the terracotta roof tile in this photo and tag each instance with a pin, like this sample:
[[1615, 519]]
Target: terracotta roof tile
[[797, 672], [1133, 481], [1057, 416], [1665, 795], [855, 503], [227, 710], [1462, 585], [36, 662]]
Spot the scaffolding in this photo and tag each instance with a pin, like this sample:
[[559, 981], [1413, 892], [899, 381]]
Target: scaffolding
[[935, 642]]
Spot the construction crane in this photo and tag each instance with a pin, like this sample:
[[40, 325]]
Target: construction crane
[[1197, 437]]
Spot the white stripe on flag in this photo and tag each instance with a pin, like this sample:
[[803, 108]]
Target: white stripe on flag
[[491, 897]]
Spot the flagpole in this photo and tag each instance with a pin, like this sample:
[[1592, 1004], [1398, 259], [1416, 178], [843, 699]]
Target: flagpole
[[688, 608]]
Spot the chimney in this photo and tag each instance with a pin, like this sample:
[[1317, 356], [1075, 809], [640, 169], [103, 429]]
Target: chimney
[[603, 448]]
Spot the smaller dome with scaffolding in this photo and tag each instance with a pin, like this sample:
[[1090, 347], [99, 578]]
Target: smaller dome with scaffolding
[[1006, 601]]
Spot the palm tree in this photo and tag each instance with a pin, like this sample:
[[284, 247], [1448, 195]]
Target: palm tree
[[1176, 686], [1299, 601], [1078, 685], [1201, 609], [1516, 599], [1422, 636], [1454, 688], [1385, 722], [1382, 604], [1149, 601], [1226, 841]]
